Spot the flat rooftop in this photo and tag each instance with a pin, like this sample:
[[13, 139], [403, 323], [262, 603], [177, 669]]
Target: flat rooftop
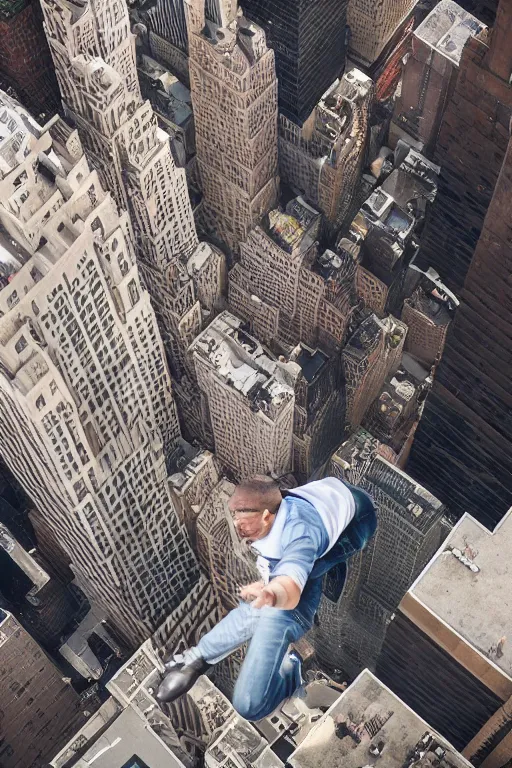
[[368, 725], [128, 743], [447, 29], [468, 586]]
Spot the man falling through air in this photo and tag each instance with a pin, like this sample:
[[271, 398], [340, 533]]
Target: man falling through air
[[298, 539]]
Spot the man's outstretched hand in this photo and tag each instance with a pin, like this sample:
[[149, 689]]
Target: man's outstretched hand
[[281, 592], [252, 591]]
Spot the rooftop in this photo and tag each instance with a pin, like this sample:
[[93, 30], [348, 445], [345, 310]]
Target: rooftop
[[242, 363], [468, 586], [127, 738], [368, 725], [447, 29], [295, 227]]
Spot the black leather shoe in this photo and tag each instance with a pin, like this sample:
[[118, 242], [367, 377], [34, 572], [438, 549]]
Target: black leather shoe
[[180, 679]]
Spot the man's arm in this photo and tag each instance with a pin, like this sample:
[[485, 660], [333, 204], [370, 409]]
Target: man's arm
[[303, 543]]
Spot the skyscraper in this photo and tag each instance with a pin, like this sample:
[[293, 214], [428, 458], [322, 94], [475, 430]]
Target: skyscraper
[[248, 397], [462, 449], [373, 25], [234, 95], [470, 149], [87, 411], [447, 652], [309, 39], [371, 354], [25, 61], [286, 289], [94, 55]]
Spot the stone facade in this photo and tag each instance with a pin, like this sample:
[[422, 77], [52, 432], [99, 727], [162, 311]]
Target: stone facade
[[234, 95], [373, 23], [87, 408], [371, 354], [94, 55], [248, 397], [286, 290]]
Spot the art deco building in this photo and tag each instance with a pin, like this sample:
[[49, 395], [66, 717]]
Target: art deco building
[[285, 289], [462, 448], [234, 96], [25, 60], [87, 410], [248, 398], [447, 652], [322, 161], [470, 150], [309, 39], [430, 74], [94, 55], [373, 25], [40, 711]]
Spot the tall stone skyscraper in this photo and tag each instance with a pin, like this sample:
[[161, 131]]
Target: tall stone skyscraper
[[373, 25], [309, 38], [94, 55], [234, 95], [87, 415]]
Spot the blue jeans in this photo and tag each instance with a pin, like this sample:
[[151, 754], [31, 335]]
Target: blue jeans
[[268, 674]]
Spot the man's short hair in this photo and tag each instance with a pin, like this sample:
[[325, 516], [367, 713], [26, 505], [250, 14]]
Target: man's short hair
[[265, 489]]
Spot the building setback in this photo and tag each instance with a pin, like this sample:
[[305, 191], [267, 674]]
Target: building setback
[[94, 55], [309, 40]]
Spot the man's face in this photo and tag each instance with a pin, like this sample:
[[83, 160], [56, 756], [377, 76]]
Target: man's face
[[251, 522]]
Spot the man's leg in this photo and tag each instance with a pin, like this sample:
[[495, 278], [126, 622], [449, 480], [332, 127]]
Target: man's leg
[[228, 635], [268, 676]]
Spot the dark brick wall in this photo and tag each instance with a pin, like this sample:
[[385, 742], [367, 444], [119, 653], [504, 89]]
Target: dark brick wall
[[26, 63], [435, 686], [39, 712], [463, 446], [471, 148], [308, 37]]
